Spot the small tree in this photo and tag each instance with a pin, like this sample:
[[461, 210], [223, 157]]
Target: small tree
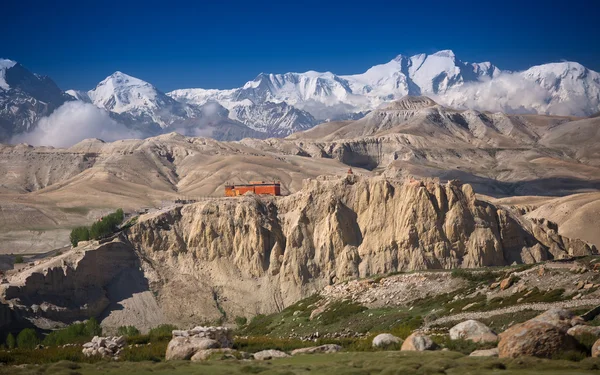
[[128, 331], [27, 339], [241, 321], [79, 234], [92, 327], [11, 343], [19, 259]]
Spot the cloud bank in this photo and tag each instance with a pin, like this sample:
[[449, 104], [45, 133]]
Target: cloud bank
[[73, 122]]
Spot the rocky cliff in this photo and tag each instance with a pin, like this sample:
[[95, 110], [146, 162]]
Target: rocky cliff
[[249, 255], [228, 257]]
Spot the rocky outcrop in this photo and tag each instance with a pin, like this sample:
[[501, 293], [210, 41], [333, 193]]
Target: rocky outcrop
[[270, 253], [186, 344], [472, 330], [596, 349], [534, 339], [242, 256]]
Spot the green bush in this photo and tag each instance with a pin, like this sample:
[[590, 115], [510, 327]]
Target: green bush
[[128, 331], [79, 234], [474, 276], [75, 333], [11, 343], [27, 339], [162, 332], [154, 352], [19, 259], [241, 321], [104, 227], [340, 310], [260, 325]]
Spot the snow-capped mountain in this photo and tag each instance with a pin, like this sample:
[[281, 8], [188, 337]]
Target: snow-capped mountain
[[281, 104], [274, 119], [562, 88], [25, 98]]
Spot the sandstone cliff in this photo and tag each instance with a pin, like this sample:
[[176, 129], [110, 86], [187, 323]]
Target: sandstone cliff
[[228, 257], [249, 255]]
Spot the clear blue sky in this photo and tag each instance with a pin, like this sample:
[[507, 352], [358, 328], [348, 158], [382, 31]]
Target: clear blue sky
[[222, 44]]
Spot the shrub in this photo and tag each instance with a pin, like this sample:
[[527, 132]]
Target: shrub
[[11, 343], [79, 234], [128, 331], [260, 325], [340, 310], [483, 276], [19, 259], [241, 321], [75, 333], [27, 339], [104, 227], [162, 332]]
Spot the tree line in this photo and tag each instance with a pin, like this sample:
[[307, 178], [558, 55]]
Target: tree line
[[106, 226]]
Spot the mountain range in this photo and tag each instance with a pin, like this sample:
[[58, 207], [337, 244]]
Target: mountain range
[[277, 105]]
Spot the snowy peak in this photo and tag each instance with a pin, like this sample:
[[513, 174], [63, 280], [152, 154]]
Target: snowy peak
[[5, 64], [120, 93]]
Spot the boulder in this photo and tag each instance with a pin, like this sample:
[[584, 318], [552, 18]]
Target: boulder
[[485, 353], [203, 355], [269, 354], [183, 348], [560, 318], [328, 348], [584, 330], [596, 349], [385, 340], [473, 330], [534, 338], [418, 342], [506, 283]]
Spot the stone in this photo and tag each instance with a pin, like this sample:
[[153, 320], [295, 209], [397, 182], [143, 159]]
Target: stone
[[588, 286], [418, 342], [468, 306], [385, 340], [485, 353], [328, 348], [535, 339], [579, 330], [580, 285], [472, 330], [269, 354], [506, 283], [203, 355], [494, 285], [183, 348], [596, 349], [560, 318]]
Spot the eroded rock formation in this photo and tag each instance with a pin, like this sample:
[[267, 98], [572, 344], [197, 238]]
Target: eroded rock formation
[[222, 258]]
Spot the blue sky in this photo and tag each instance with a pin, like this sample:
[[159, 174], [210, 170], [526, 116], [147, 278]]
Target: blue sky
[[222, 44]]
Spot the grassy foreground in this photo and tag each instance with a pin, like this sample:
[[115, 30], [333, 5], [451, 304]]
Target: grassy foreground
[[391, 362]]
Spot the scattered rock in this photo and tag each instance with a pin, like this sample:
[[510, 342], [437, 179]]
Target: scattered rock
[[107, 347], [418, 342], [534, 338], [485, 353], [328, 348], [469, 306], [473, 330], [269, 354], [494, 285], [384, 340]]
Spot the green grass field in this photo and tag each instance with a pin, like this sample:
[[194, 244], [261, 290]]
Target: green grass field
[[391, 362]]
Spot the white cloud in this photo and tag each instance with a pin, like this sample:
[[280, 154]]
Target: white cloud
[[506, 93], [73, 122]]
